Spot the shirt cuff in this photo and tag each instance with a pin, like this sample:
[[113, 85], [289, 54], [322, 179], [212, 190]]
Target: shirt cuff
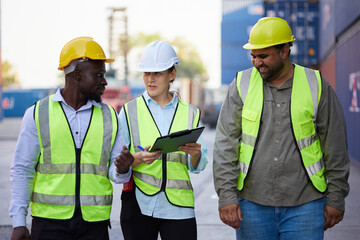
[[19, 220], [201, 165], [123, 177]]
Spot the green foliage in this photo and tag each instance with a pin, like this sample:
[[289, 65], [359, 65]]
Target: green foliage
[[9, 77]]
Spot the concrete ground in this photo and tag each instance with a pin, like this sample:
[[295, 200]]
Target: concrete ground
[[209, 225]]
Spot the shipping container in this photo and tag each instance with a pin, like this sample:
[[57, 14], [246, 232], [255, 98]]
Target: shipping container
[[328, 69], [238, 17], [348, 84], [303, 18], [16, 101], [1, 109], [327, 28], [346, 13]]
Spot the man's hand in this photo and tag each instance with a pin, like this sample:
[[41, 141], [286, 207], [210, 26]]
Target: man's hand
[[20, 233], [124, 161], [332, 216], [231, 215]]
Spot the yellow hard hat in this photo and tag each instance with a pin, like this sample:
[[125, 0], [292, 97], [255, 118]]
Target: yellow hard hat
[[81, 48], [269, 31]]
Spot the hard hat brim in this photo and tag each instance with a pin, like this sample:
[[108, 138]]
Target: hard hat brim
[[158, 67], [250, 46], [106, 60]]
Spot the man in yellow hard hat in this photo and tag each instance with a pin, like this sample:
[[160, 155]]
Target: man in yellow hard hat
[[68, 151], [281, 165]]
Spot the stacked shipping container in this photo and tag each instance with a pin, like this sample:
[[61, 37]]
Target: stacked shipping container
[[340, 57], [238, 17], [16, 101]]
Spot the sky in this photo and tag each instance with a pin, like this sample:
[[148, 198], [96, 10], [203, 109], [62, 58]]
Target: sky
[[34, 32]]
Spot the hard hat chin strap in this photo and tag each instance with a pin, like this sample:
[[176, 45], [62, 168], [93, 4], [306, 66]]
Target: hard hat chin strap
[[71, 67]]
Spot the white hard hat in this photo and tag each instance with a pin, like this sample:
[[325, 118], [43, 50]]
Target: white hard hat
[[158, 56]]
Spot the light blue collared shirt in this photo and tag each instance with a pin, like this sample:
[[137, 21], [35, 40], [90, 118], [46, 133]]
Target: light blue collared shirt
[[27, 152], [158, 206]]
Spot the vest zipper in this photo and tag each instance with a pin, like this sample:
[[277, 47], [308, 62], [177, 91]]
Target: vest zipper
[[77, 181], [164, 175]]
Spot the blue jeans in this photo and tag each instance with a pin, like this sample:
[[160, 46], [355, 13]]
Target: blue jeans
[[281, 223]]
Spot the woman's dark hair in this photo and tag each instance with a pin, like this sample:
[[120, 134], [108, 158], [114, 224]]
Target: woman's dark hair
[[171, 69]]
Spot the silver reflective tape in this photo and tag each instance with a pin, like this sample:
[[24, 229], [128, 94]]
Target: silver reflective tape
[[314, 88], [65, 200], [96, 200], [69, 200], [69, 168], [314, 168], [170, 183], [177, 157], [153, 181], [248, 140], [306, 142], [192, 116], [178, 184], [66, 168], [244, 83], [108, 130], [244, 167], [132, 113], [45, 129], [89, 168]]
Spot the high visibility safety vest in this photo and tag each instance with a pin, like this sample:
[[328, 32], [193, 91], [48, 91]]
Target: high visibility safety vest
[[169, 172], [305, 97], [55, 182]]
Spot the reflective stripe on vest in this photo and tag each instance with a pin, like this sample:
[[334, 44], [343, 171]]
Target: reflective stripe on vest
[[144, 131], [54, 188], [305, 97]]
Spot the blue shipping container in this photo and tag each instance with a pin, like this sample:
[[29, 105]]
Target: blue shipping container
[[238, 17], [303, 18], [348, 84], [346, 13], [1, 110], [327, 29], [16, 101]]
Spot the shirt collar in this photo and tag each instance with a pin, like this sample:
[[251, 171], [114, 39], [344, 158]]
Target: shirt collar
[[59, 98], [173, 102]]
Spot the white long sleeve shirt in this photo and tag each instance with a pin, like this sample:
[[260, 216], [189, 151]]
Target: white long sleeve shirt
[[22, 171]]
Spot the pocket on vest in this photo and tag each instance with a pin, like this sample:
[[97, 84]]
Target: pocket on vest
[[307, 128]]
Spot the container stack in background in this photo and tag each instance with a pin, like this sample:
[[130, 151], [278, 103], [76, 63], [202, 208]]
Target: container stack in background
[[340, 60]]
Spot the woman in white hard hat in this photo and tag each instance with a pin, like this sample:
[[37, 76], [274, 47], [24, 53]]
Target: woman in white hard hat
[[160, 197]]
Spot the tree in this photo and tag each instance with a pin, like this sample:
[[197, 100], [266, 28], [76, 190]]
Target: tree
[[191, 64], [9, 76]]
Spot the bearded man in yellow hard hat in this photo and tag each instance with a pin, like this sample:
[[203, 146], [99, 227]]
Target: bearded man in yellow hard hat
[[281, 165], [68, 150]]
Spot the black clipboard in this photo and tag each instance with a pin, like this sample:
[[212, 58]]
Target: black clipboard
[[171, 142]]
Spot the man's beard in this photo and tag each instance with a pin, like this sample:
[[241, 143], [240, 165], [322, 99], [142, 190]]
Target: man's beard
[[92, 96], [95, 97], [272, 72]]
